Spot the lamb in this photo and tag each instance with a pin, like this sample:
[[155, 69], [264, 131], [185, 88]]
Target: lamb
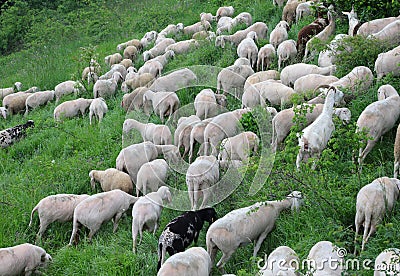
[[151, 176], [222, 126], [37, 99], [131, 158], [272, 91], [53, 208], [68, 87], [233, 78], [247, 48], [174, 81], [183, 47], [93, 211], [224, 11], [158, 49], [146, 212], [113, 59], [279, 34], [289, 11], [201, 175], [13, 134], [107, 88], [286, 51], [9, 90], [133, 42], [16, 102], [23, 259], [291, 73], [360, 78], [207, 17], [260, 77], [315, 137], [378, 118], [130, 52], [373, 200], [183, 130], [282, 259], [207, 104], [195, 261], [325, 258], [97, 109], [387, 262], [303, 10], [387, 63], [260, 28], [239, 147], [283, 121], [133, 100], [158, 134], [197, 27], [148, 38], [311, 82], [111, 179], [3, 112], [245, 225], [164, 103], [180, 232], [69, 109], [265, 56], [397, 153], [138, 80]]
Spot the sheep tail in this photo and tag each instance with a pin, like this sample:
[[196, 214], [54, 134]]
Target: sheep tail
[[33, 211]]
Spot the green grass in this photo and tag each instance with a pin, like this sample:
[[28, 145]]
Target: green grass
[[57, 157]]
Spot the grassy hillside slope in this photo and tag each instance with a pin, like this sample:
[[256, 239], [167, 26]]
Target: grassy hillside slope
[[57, 157]]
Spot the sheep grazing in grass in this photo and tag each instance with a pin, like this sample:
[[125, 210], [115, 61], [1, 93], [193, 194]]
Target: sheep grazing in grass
[[182, 132], [315, 137], [13, 134], [373, 201], [133, 100], [113, 59], [164, 103], [201, 175], [378, 118], [389, 34], [157, 49], [53, 208], [260, 77], [148, 38], [197, 27], [311, 82], [158, 134], [69, 109], [303, 10], [286, 52], [281, 261], [245, 225], [9, 90], [206, 16], [260, 28], [247, 48], [232, 78], [224, 11], [208, 104], [289, 11], [325, 258], [291, 73], [309, 31], [180, 232], [107, 88], [132, 42], [37, 99], [360, 78], [151, 176], [16, 102], [195, 261], [115, 68], [130, 52], [111, 179], [279, 34], [68, 87], [387, 262], [174, 81], [3, 112], [183, 47], [239, 147], [93, 211], [137, 80], [387, 63], [97, 109], [23, 259], [265, 56], [146, 213]]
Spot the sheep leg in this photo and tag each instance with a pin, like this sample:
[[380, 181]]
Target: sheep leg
[[299, 159], [74, 231], [396, 169], [115, 221], [224, 259], [191, 196], [43, 227], [212, 250], [134, 236], [93, 231], [205, 198], [260, 240], [367, 226], [358, 222], [196, 195], [368, 148]]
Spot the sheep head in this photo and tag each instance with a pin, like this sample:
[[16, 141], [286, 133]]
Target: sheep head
[[18, 86], [92, 180], [296, 199], [165, 194]]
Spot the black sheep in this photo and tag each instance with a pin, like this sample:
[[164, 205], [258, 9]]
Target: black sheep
[[13, 134]]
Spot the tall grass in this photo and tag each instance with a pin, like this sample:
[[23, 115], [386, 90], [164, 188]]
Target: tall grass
[[57, 157]]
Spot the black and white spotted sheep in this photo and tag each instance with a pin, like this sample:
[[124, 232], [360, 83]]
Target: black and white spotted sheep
[[180, 232], [13, 134]]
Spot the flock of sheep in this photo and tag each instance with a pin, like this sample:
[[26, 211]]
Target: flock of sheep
[[223, 144]]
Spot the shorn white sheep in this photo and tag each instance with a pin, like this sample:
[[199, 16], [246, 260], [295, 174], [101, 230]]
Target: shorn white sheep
[[224, 11], [247, 48], [389, 34], [93, 211], [108, 87], [158, 134], [3, 112], [282, 260], [111, 179], [69, 109], [37, 99], [164, 103], [265, 56], [16, 102], [239, 147], [315, 137], [311, 82], [388, 63], [260, 77], [325, 258], [291, 73], [378, 118], [373, 201], [279, 34], [260, 28], [387, 262], [201, 175], [195, 261], [208, 104], [9, 90], [97, 109], [183, 130], [151, 176], [360, 78], [68, 87], [174, 81], [53, 208], [286, 52], [232, 78], [245, 225], [23, 259], [146, 213]]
